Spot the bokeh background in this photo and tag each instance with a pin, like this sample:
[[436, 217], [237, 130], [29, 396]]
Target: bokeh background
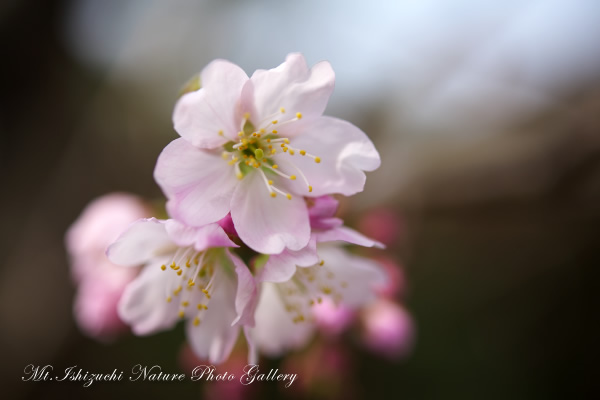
[[487, 117]]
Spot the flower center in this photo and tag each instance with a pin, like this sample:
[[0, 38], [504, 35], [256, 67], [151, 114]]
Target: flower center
[[191, 270], [256, 148], [307, 288]]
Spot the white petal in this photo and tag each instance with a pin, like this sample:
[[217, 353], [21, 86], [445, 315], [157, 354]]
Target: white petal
[[143, 305], [200, 116], [360, 274], [214, 337], [275, 333], [198, 183], [294, 87], [139, 243]]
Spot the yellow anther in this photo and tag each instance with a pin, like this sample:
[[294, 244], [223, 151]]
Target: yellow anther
[[224, 155], [286, 141], [258, 135], [299, 115], [273, 151], [187, 263], [275, 166], [319, 300], [274, 132], [179, 272], [196, 321], [254, 134], [181, 314], [282, 110], [285, 149], [176, 291], [169, 299], [274, 121], [293, 177], [310, 189], [173, 265], [262, 131], [322, 262], [317, 159], [273, 194], [311, 303], [303, 152], [163, 267], [268, 140], [240, 133], [291, 152], [185, 303], [191, 283], [289, 196], [221, 133], [196, 260], [270, 182], [206, 293]]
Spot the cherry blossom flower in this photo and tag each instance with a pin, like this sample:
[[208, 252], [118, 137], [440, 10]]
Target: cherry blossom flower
[[100, 283], [189, 274], [256, 146]]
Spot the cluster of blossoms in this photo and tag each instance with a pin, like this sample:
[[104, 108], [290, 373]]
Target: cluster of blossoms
[[253, 245]]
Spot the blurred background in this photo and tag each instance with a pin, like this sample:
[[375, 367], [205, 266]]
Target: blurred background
[[487, 118]]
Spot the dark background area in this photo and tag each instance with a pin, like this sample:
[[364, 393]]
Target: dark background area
[[501, 254]]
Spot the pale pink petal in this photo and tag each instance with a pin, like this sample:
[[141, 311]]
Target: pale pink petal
[[292, 86], [247, 294], [266, 224], [214, 337], [139, 243], [345, 152], [281, 267], [143, 305], [361, 275], [200, 116], [275, 333], [198, 183], [201, 238], [347, 235], [252, 348]]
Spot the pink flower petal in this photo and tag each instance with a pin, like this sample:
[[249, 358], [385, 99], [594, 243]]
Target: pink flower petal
[[200, 116], [266, 224], [281, 267], [143, 305], [292, 86], [199, 184], [214, 337], [247, 293], [139, 243], [347, 235], [345, 152], [202, 238]]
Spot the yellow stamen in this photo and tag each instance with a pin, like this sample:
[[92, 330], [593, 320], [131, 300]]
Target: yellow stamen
[[163, 267], [289, 196], [317, 159], [221, 133], [181, 314], [293, 177], [310, 189], [299, 115], [185, 303], [273, 194], [196, 321]]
